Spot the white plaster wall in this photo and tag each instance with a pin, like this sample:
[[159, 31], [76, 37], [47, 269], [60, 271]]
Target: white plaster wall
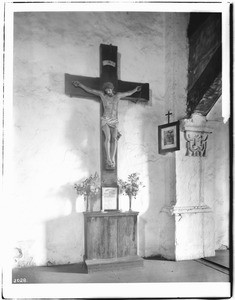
[[176, 60], [217, 192], [56, 138]]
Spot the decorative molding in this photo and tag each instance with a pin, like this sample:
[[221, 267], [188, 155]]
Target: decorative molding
[[178, 210]]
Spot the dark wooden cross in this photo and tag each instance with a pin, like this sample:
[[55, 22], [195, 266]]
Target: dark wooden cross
[[108, 73], [168, 116]]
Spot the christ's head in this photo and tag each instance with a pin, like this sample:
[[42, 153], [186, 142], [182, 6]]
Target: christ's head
[[108, 88]]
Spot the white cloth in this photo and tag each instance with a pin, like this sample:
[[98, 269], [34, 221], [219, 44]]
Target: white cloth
[[111, 122]]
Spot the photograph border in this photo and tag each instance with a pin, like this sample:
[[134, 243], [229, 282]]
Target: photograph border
[[86, 290]]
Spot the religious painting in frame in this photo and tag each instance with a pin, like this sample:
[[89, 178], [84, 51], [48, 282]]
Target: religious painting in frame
[[168, 137], [109, 198]]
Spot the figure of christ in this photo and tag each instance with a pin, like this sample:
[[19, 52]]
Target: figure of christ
[[109, 120]]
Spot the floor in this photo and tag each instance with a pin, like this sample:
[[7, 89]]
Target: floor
[[155, 269], [221, 258]]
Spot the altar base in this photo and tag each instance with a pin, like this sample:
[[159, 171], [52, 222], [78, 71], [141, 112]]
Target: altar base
[[111, 240]]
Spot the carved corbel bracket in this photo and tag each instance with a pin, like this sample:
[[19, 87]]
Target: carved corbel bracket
[[196, 134], [196, 143]]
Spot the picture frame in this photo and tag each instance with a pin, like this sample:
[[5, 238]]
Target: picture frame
[[168, 137], [109, 199]]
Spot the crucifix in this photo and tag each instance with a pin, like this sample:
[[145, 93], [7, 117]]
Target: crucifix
[[168, 116], [108, 89]]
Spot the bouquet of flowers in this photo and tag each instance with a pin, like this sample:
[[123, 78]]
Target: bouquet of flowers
[[89, 186], [131, 186]]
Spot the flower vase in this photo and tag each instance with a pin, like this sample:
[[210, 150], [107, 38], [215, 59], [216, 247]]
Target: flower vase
[[130, 201], [86, 200]]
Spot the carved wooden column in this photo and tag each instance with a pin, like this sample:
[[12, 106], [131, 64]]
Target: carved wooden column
[[190, 220]]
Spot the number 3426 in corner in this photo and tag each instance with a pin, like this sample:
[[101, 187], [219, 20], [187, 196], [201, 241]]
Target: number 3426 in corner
[[19, 280]]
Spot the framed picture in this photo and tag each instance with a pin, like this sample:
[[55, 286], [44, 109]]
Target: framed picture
[[168, 137], [109, 198]]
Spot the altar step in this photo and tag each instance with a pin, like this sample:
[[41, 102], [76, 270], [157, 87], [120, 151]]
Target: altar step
[[121, 263]]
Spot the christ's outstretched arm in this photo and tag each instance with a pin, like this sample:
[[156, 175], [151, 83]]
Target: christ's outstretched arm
[[129, 93], [87, 89]]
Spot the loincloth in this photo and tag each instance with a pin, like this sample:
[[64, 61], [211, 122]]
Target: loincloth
[[111, 122]]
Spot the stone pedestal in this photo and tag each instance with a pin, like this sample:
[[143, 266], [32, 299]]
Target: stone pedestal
[[189, 221], [193, 232], [111, 240]]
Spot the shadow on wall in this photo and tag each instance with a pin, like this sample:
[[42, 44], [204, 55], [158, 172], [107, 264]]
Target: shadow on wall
[[65, 235], [64, 239], [83, 134], [67, 192]]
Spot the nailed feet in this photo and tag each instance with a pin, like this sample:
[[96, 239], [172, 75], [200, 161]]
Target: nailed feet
[[110, 164]]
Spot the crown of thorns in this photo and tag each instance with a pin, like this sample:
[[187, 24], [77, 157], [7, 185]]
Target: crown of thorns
[[108, 85]]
